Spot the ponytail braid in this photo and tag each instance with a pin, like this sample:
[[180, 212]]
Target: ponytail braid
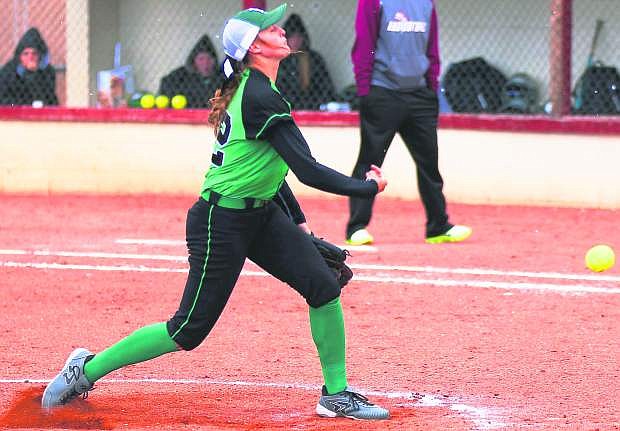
[[223, 95]]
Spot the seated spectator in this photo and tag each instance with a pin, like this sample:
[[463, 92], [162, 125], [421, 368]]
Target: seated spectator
[[303, 78], [197, 79], [28, 78]]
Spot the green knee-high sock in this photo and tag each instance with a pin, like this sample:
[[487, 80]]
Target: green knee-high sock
[[146, 343], [327, 325]]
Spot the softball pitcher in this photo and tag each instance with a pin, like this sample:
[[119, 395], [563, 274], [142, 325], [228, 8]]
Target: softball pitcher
[[236, 218]]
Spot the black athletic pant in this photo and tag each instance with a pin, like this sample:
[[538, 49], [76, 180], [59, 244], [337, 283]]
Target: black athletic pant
[[413, 115], [219, 240]]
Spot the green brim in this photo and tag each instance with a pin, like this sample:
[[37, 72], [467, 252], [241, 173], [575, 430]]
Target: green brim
[[273, 16], [262, 19]]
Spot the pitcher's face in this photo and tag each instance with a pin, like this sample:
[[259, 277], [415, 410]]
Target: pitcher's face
[[271, 43]]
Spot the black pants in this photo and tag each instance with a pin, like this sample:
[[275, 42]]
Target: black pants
[[413, 115], [219, 240]]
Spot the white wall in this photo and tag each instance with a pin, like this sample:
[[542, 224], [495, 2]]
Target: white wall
[[478, 167]]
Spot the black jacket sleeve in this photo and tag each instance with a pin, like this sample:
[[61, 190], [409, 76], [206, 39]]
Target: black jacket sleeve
[[42, 85], [165, 87], [287, 201], [5, 83], [290, 144]]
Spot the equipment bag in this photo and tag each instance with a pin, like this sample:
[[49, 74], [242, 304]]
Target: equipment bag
[[598, 91], [473, 86]]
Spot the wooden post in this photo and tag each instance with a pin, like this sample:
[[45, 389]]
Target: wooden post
[[560, 57]]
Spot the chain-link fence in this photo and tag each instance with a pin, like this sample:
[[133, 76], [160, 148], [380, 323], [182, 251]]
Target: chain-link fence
[[497, 55]]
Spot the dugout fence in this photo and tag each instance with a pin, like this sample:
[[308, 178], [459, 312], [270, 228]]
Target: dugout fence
[[528, 56]]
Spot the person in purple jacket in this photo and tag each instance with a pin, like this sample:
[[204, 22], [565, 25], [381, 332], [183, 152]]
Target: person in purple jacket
[[396, 65]]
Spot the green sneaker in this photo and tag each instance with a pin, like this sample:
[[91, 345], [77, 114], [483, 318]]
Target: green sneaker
[[457, 233], [360, 237], [349, 404]]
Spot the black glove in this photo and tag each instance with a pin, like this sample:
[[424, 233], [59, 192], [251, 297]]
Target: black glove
[[334, 256]]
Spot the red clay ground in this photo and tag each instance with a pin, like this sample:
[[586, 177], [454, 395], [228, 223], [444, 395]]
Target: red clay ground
[[507, 330]]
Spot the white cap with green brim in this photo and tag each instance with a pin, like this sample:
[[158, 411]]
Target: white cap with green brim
[[241, 30]]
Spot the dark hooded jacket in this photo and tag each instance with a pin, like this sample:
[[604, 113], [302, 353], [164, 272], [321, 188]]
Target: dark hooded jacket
[[19, 86], [320, 89], [186, 80]]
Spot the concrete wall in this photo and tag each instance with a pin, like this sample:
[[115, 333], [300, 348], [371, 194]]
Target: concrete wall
[[478, 167]]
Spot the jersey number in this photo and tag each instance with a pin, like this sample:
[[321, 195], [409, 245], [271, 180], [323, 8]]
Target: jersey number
[[217, 158]]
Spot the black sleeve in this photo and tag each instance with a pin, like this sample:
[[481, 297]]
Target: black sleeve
[[5, 98], [169, 84], [286, 200], [290, 144], [164, 86], [50, 89]]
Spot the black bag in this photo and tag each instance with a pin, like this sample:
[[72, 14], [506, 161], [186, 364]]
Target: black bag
[[473, 86], [598, 91]]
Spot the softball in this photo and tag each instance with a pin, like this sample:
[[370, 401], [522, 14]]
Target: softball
[[179, 101], [147, 101], [600, 258], [162, 101]]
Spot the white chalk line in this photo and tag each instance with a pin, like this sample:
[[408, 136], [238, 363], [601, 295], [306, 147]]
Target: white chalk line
[[506, 285], [14, 252], [172, 242], [108, 255], [404, 268], [484, 418], [481, 271], [126, 268]]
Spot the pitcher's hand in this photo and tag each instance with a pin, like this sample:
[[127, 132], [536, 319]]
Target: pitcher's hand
[[376, 175]]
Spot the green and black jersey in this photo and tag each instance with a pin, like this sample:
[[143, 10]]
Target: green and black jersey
[[258, 142], [244, 164]]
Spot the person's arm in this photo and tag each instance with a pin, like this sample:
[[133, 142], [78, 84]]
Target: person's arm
[[366, 33], [432, 52], [290, 144], [50, 93], [166, 86], [287, 201]]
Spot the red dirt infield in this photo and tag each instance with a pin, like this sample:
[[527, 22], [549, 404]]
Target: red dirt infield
[[507, 330]]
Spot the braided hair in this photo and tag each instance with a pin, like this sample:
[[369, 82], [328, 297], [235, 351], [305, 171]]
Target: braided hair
[[232, 69]]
